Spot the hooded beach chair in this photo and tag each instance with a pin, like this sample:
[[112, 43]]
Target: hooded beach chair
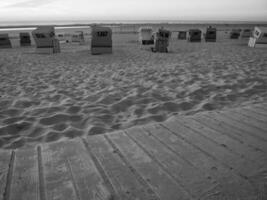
[[211, 34], [246, 33], [5, 41], [259, 38], [182, 35], [101, 42], [161, 40], [45, 40], [235, 33], [194, 35], [146, 36], [25, 39], [78, 37]]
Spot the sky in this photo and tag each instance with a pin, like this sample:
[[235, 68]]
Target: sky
[[45, 10]]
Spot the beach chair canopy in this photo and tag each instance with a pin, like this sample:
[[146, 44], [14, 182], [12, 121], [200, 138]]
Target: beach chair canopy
[[25, 39], [163, 34], [145, 33], [194, 35], [101, 36], [5, 41]]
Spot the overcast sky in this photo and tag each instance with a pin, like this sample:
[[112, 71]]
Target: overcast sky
[[241, 10]]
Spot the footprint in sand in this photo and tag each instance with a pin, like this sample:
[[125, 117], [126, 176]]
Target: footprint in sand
[[60, 118], [16, 128], [12, 112], [25, 104], [74, 109]]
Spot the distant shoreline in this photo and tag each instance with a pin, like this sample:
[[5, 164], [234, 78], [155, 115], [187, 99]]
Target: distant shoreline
[[138, 24]]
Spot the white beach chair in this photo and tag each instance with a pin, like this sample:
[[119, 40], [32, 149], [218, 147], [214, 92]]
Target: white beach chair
[[145, 36], [259, 38]]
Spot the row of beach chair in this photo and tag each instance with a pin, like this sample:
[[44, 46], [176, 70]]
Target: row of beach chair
[[25, 40], [101, 41]]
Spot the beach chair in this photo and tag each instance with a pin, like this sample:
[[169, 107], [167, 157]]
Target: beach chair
[[194, 35], [235, 33], [246, 33], [211, 34], [259, 38], [78, 37], [45, 40], [146, 36], [5, 41], [25, 39], [161, 41], [61, 37], [101, 42], [182, 35]]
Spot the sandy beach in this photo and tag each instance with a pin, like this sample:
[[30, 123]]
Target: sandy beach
[[46, 98]]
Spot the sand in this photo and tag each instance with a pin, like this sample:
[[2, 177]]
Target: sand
[[46, 98]]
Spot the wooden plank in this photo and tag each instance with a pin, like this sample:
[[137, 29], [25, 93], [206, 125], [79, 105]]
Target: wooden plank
[[256, 158], [5, 164], [255, 114], [243, 116], [262, 106], [228, 129], [251, 114], [70, 173], [236, 125], [25, 176], [191, 179], [236, 129], [244, 124], [164, 185], [258, 110], [128, 184], [239, 165], [232, 186]]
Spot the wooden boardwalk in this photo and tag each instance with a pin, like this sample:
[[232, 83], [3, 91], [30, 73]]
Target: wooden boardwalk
[[212, 155]]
